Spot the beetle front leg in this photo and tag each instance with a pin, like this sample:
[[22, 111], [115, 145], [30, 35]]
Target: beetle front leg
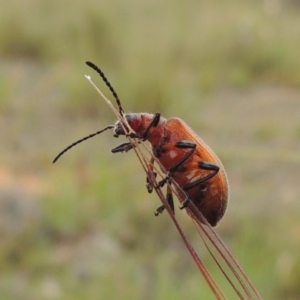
[[125, 147], [154, 122]]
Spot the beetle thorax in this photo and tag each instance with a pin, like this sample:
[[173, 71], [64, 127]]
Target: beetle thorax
[[139, 122]]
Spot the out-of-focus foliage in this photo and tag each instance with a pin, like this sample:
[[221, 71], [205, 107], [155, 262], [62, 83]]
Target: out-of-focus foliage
[[84, 228]]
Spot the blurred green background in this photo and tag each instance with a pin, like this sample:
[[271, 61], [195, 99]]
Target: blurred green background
[[84, 227]]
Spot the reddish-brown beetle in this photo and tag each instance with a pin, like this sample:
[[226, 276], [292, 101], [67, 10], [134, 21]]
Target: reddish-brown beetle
[[183, 155]]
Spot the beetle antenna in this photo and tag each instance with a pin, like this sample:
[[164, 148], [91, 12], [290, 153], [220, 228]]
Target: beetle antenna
[[79, 141], [98, 70]]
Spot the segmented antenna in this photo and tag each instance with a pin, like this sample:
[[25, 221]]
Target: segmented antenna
[[79, 141], [97, 69]]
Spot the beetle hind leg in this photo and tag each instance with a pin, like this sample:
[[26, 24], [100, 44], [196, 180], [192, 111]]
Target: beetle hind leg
[[204, 165]]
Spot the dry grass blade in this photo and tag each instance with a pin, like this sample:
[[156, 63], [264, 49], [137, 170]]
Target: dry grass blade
[[215, 242]]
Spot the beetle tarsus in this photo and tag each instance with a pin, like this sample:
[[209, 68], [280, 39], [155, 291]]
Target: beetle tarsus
[[185, 203], [159, 210], [164, 181], [170, 201]]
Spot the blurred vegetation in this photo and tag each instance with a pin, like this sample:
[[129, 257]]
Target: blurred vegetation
[[83, 228]]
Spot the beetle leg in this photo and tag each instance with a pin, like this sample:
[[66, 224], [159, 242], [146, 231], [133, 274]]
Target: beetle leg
[[169, 198], [205, 165], [185, 144], [159, 210], [123, 148], [180, 144], [153, 123], [149, 184], [133, 135]]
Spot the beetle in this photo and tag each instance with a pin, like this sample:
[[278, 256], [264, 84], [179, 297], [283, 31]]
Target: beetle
[[182, 154]]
